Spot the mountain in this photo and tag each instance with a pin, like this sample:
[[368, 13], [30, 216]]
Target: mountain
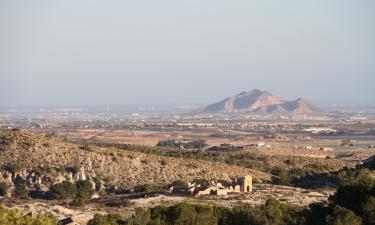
[[258, 101]]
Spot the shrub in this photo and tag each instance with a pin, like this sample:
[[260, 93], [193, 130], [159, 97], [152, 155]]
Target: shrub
[[342, 216], [7, 140], [84, 192], [39, 194], [198, 144], [368, 208], [15, 217], [168, 143], [12, 167], [85, 147], [73, 169], [163, 162], [118, 203], [179, 183], [146, 188], [64, 190], [110, 219], [20, 191], [3, 189], [282, 176], [353, 195], [180, 186]]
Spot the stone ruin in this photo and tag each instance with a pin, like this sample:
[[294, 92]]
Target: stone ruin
[[239, 185]]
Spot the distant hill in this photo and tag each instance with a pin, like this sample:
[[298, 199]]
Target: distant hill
[[258, 101], [122, 166]]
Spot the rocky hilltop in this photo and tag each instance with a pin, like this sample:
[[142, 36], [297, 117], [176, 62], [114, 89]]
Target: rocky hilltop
[[31, 152], [258, 101]]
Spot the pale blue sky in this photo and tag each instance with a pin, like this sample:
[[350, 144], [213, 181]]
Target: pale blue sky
[[75, 52]]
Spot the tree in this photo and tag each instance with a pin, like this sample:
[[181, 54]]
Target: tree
[[352, 195], [109, 219], [368, 208], [15, 217], [183, 214], [142, 216], [64, 190], [283, 176], [342, 216], [316, 215], [205, 215], [84, 192]]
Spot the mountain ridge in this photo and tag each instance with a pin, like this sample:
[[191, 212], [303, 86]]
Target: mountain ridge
[[258, 101]]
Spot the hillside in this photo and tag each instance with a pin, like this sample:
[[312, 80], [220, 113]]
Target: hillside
[[258, 101], [117, 165]]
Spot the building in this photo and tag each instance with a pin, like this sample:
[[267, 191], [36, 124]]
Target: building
[[245, 183], [239, 185]]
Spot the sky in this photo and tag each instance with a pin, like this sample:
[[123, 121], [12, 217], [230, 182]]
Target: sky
[[77, 52]]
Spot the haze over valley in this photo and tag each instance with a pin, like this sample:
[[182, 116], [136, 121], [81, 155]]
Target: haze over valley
[[187, 112]]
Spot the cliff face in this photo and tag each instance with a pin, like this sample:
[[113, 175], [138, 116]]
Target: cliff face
[[258, 101]]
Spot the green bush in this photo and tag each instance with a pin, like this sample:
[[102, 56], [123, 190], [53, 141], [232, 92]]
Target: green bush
[[282, 178], [64, 190], [353, 195], [84, 192], [368, 209], [15, 217], [110, 219], [342, 216]]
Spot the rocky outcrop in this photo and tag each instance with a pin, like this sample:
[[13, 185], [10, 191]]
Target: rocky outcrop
[[41, 182]]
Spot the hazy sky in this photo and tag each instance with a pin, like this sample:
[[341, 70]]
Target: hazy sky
[[75, 52]]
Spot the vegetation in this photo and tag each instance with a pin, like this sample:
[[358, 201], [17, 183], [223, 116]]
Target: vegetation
[[168, 143], [146, 188], [119, 203], [6, 140], [354, 204], [110, 219], [84, 192], [15, 217], [74, 169], [3, 188], [20, 191], [334, 179], [342, 216], [12, 167], [291, 173], [358, 196], [64, 190], [194, 144], [179, 187]]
